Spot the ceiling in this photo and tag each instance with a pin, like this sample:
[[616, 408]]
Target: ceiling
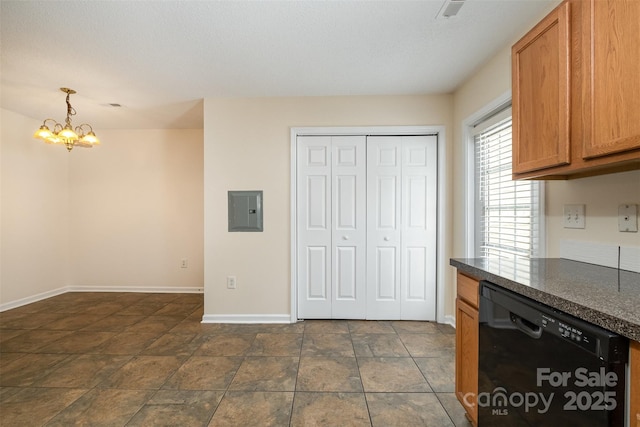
[[160, 59]]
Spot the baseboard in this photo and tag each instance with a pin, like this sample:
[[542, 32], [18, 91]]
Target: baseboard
[[143, 289], [246, 318], [34, 298], [450, 320]]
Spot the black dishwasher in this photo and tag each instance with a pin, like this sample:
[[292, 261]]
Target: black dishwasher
[[542, 367]]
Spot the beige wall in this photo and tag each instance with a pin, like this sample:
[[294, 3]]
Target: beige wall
[[137, 208], [247, 147], [35, 203], [601, 196], [488, 83], [127, 212], [120, 215]]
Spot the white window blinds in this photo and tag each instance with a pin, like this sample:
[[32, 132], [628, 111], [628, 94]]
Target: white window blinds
[[507, 211]]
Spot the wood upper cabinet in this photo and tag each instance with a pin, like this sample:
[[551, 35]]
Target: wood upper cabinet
[[467, 335], [611, 91], [541, 94], [576, 91]]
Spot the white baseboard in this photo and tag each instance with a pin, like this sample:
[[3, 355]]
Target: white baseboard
[[246, 318], [31, 299], [449, 319], [143, 289]]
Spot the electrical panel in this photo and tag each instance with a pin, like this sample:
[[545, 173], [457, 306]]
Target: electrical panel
[[245, 210]]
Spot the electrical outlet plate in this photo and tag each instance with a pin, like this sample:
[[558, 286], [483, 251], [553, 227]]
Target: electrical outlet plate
[[628, 218], [231, 282], [574, 216]]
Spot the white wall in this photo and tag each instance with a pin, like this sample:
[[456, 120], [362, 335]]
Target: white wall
[[121, 215], [35, 203], [247, 147]]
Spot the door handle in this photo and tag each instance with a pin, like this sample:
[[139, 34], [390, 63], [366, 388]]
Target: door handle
[[531, 329], [345, 237], [386, 239]]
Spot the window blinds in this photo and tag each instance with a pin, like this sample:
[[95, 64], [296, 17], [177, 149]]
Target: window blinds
[[507, 211]]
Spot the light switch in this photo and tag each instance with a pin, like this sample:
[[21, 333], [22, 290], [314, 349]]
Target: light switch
[[628, 218], [574, 216]]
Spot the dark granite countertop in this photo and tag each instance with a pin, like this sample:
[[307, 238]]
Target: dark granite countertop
[[605, 296]]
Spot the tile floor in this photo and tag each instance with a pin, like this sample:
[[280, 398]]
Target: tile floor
[[133, 359]]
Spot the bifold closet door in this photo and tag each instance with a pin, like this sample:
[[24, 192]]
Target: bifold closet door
[[401, 227], [331, 227]]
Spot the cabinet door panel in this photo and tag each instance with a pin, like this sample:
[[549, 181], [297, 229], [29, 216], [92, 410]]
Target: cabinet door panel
[[541, 94], [611, 52], [634, 382], [467, 331]]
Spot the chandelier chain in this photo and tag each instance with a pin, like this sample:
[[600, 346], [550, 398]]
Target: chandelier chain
[[70, 111]]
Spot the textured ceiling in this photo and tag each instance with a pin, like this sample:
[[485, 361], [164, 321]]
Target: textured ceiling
[[159, 59]]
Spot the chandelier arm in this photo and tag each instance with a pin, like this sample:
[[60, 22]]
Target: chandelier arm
[[79, 128], [44, 123]]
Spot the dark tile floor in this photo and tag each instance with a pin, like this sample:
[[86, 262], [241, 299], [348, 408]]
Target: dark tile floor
[[133, 359]]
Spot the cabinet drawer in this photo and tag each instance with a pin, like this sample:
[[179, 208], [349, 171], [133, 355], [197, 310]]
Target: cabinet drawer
[[468, 289]]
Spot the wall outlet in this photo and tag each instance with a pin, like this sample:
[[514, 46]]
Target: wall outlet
[[231, 282], [184, 263], [628, 218], [574, 216]]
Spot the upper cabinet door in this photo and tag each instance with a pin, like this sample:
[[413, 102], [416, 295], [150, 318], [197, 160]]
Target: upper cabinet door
[[541, 94], [611, 90]]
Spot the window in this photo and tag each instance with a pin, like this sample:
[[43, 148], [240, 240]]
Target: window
[[507, 212]]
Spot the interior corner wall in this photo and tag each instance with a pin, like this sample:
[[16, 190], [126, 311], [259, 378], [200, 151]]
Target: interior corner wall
[[120, 216], [136, 211], [488, 83], [600, 194], [34, 207], [247, 147]]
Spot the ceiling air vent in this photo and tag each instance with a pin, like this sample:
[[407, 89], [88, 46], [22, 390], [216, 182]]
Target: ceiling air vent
[[450, 8]]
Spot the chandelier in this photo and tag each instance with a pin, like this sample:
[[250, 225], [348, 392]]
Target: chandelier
[[81, 136]]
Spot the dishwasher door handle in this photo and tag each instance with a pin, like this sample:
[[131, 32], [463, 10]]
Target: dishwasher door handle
[[531, 329]]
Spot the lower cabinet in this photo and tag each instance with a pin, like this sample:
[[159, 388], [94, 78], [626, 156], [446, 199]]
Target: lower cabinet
[[634, 384], [467, 353], [467, 346]]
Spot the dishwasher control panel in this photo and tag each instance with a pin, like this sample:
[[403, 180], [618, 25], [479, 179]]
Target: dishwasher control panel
[[569, 332]]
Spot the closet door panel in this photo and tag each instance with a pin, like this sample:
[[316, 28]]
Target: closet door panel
[[314, 227], [348, 227], [419, 209], [366, 225], [316, 278], [383, 227]]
